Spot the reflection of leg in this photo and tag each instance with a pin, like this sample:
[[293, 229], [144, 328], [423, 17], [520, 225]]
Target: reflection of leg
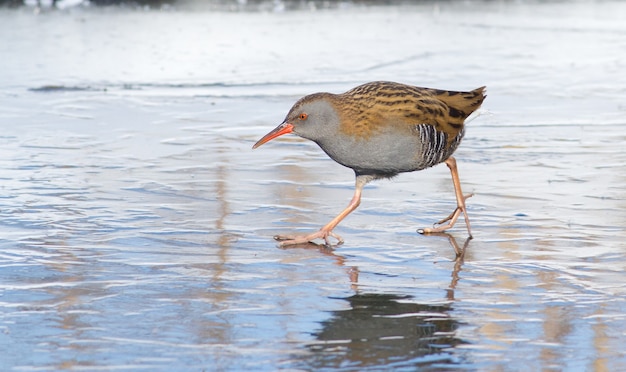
[[353, 274], [460, 202], [458, 261]]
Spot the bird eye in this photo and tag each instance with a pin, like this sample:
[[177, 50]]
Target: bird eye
[[303, 116]]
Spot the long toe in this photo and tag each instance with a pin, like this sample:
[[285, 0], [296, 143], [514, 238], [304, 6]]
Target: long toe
[[451, 219], [287, 240], [285, 237], [447, 218], [441, 228], [336, 236]]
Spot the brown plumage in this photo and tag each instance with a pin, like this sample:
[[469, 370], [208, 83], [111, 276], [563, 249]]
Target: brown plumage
[[368, 107], [380, 129]]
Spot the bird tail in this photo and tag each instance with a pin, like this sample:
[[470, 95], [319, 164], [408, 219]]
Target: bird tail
[[462, 104]]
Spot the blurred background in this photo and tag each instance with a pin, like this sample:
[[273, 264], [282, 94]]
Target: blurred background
[[136, 221], [267, 5]]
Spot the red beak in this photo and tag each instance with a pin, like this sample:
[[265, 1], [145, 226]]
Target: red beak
[[284, 128]]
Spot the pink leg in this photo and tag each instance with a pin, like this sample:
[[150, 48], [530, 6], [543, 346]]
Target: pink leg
[[460, 202], [327, 231]]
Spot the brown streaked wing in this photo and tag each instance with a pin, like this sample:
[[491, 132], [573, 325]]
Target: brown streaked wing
[[367, 107]]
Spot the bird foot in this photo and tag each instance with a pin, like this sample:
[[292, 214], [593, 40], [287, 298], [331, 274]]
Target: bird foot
[[451, 219], [460, 208], [285, 240]]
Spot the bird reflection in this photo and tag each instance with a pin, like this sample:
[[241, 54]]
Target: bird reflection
[[458, 261], [353, 271], [387, 329], [379, 329]]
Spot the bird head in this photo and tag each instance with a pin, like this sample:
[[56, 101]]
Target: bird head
[[313, 117]]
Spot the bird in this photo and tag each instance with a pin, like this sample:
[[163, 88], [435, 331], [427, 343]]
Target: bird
[[381, 129]]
